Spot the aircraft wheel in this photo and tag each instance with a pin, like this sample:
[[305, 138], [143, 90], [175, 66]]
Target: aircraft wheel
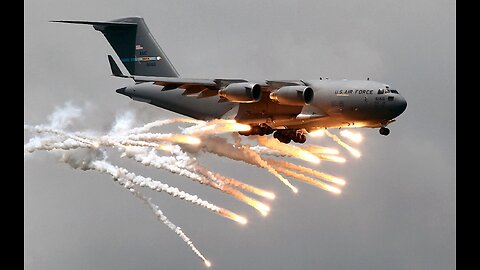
[[384, 131], [303, 139]]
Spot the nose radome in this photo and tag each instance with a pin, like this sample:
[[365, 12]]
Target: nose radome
[[403, 105]]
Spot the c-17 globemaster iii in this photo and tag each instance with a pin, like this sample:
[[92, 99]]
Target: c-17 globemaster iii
[[288, 108]]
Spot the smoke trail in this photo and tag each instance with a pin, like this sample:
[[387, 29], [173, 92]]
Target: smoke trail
[[48, 144], [89, 161], [158, 123], [267, 151], [261, 207], [233, 182], [42, 129], [243, 153], [170, 137], [170, 163], [320, 150], [289, 149], [161, 217], [298, 168], [350, 149], [125, 177], [164, 147], [307, 179], [181, 165]]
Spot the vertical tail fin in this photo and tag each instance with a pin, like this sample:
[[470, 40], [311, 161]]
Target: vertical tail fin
[[135, 46]]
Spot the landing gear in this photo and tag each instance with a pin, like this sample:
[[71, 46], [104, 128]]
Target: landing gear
[[384, 131], [283, 135], [286, 136]]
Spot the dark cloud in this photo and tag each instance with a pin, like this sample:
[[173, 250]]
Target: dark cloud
[[397, 210]]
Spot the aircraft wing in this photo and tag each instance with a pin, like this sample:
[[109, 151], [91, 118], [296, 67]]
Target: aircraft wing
[[198, 87]]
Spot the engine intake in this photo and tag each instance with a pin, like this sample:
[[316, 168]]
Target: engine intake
[[295, 95], [242, 92]]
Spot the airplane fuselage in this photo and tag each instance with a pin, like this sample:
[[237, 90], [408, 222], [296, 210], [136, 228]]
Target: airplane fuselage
[[336, 103]]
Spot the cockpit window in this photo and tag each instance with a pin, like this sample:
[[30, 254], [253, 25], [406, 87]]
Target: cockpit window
[[380, 91], [394, 91]]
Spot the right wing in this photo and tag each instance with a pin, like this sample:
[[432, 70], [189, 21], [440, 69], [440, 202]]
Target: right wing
[[200, 87]]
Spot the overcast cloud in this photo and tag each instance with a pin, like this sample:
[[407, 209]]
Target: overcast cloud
[[397, 210]]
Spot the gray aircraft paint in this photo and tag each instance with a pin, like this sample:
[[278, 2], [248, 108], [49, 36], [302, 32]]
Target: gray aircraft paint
[[335, 103]]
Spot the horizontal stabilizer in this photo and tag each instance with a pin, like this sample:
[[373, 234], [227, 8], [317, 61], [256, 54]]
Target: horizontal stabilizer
[[114, 67], [99, 23]]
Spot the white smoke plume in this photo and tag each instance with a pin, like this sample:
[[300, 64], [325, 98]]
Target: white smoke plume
[[123, 123], [159, 123], [177, 153], [48, 144], [63, 117]]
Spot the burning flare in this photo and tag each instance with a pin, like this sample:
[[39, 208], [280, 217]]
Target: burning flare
[[289, 149], [308, 180], [352, 136], [317, 133], [350, 149], [216, 126], [88, 151]]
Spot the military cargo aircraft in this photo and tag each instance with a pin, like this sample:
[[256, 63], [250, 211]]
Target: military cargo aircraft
[[287, 108]]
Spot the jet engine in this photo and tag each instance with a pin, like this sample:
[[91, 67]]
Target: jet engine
[[242, 92], [295, 95]]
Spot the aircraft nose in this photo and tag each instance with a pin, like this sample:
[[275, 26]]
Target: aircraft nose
[[401, 105]]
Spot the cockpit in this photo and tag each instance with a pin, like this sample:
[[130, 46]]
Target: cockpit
[[387, 91]]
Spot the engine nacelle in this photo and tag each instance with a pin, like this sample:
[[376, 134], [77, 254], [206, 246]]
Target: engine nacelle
[[295, 95], [242, 92]]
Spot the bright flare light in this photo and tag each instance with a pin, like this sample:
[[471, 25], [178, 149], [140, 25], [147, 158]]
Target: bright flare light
[[334, 190], [307, 156], [291, 150], [353, 136], [208, 263], [332, 158], [321, 150], [308, 180], [186, 139], [229, 214], [350, 149], [317, 133], [216, 127]]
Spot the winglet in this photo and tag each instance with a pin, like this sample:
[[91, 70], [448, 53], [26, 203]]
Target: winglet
[[114, 67]]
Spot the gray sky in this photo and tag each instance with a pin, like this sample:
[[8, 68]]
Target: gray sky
[[397, 210]]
